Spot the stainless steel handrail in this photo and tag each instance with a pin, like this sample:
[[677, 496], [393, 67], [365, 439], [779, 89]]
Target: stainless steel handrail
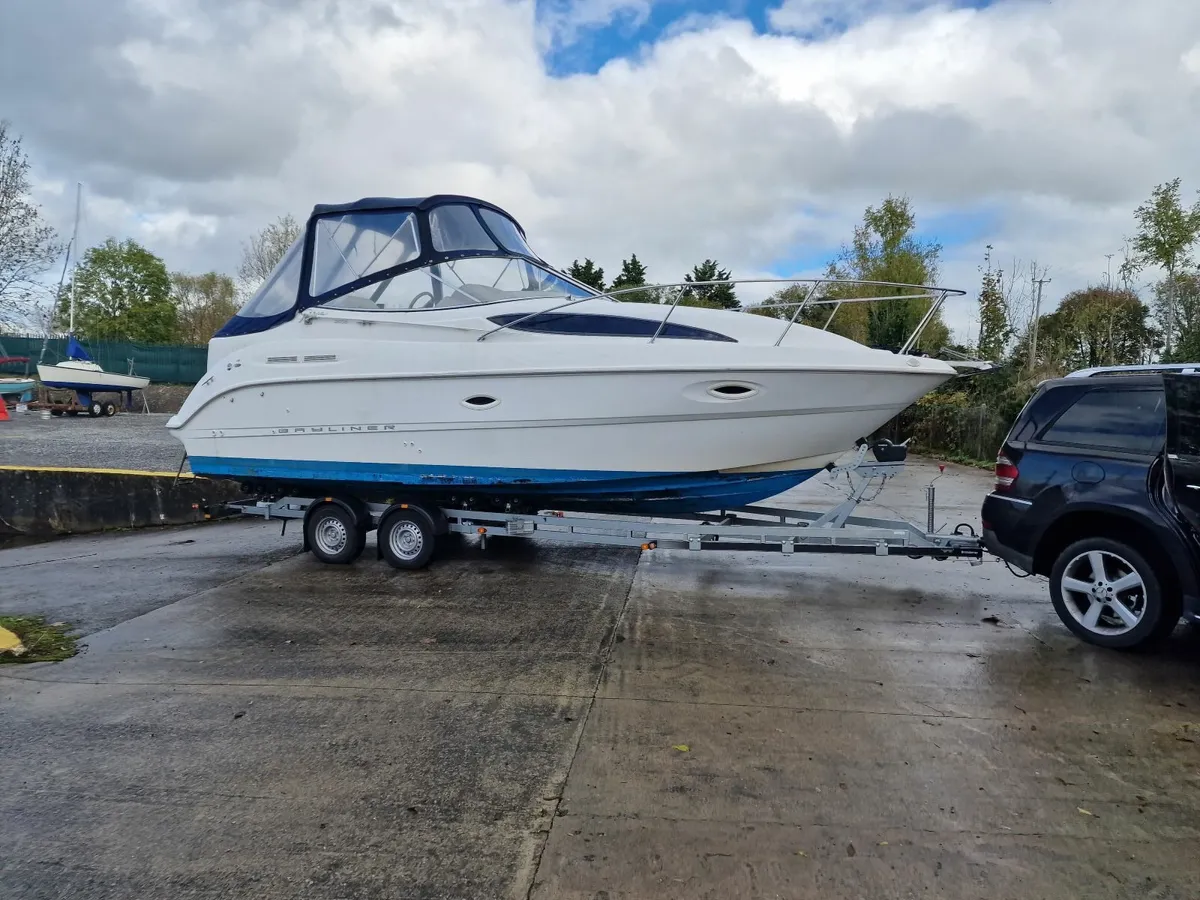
[[937, 296]]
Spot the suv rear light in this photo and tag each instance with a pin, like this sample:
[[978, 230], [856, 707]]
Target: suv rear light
[[1006, 474]]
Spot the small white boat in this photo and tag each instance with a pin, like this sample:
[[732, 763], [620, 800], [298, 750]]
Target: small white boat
[[87, 377], [420, 347], [80, 374], [18, 386]]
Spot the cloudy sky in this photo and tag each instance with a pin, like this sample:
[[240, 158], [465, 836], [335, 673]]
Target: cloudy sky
[[752, 132]]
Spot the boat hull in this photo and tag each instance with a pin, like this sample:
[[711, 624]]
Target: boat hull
[[633, 493], [73, 379], [10, 386], [640, 442]]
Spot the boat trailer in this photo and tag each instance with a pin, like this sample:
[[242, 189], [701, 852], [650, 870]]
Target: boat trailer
[[70, 402], [335, 527]]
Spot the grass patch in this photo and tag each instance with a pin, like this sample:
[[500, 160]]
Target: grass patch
[[44, 642]]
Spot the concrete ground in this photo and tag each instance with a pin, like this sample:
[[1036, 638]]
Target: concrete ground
[[125, 441], [549, 721]]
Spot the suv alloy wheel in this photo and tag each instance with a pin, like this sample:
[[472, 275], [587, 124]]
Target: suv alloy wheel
[[1110, 595]]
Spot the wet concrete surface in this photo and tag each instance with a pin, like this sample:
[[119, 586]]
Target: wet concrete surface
[[509, 723], [98, 581]]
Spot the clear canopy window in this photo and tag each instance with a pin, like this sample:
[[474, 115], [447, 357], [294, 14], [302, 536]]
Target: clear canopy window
[[278, 293], [349, 247], [454, 227], [505, 231], [462, 282]]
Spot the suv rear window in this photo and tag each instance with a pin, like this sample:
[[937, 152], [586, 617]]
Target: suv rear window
[[1133, 420]]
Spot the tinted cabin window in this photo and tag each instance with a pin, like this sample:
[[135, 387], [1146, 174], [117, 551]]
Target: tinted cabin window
[[606, 326], [1129, 420]]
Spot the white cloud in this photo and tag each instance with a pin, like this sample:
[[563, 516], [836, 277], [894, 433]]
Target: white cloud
[[1191, 60], [1055, 118]]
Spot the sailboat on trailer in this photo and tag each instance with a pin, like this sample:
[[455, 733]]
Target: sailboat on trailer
[[79, 372]]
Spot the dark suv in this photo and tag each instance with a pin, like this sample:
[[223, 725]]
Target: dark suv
[[1098, 488]]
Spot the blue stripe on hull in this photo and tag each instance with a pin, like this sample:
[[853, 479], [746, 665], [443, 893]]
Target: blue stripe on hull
[[643, 493]]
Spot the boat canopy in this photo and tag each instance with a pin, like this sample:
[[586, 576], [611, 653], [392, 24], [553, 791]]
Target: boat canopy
[[392, 254]]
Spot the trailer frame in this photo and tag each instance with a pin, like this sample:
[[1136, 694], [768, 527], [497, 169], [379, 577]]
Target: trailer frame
[[80, 402], [336, 525]]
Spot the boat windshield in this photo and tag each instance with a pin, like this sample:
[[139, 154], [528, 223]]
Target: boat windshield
[[277, 294], [462, 282], [353, 246]]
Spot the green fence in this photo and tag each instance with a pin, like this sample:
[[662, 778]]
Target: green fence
[[161, 363]]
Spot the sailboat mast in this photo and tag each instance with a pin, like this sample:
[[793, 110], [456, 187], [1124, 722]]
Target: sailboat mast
[[73, 244]]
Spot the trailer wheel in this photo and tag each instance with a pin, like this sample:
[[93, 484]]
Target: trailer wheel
[[95, 409], [110, 409], [56, 412], [333, 534], [72, 413], [406, 538]]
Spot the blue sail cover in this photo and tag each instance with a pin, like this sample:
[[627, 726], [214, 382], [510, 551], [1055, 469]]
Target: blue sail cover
[[75, 350]]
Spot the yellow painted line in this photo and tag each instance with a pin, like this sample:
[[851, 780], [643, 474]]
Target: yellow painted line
[[94, 471], [9, 641]]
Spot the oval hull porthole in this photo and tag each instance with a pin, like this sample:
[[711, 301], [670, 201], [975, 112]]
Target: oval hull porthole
[[733, 390], [480, 401]]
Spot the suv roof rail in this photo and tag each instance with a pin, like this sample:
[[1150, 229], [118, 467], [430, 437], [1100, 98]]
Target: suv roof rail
[[1133, 370]]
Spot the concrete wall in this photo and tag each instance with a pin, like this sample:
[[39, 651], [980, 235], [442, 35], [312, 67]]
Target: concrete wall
[[47, 501]]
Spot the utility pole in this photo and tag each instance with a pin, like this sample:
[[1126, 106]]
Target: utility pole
[[1037, 311]]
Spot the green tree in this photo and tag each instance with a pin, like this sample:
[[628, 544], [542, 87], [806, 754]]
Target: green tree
[[122, 292], [633, 274], [587, 272], [886, 248], [1097, 326], [1185, 295], [204, 303], [27, 244], [714, 296], [782, 305], [995, 329], [1166, 232]]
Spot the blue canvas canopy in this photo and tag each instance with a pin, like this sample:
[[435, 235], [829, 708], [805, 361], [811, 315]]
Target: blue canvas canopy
[[349, 246]]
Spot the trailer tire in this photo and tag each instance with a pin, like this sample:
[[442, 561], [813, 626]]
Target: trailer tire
[[72, 413], [406, 538], [56, 412], [110, 409], [95, 409], [333, 534]]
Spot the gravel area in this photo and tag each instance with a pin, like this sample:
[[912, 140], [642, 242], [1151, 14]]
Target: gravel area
[[126, 441]]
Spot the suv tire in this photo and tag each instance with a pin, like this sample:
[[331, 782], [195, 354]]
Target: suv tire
[[1098, 608]]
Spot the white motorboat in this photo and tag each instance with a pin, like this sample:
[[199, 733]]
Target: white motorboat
[[406, 347]]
